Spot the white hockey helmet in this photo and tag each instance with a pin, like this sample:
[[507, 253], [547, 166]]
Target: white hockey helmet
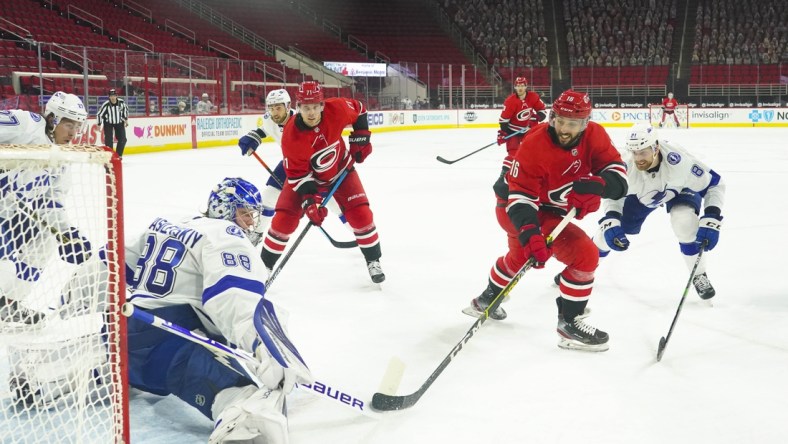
[[65, 106], [642, 136], [277, 96]]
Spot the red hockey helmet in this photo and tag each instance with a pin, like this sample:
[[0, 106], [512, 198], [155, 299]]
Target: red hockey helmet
[[309, 92], [573, 105], [520, 81]]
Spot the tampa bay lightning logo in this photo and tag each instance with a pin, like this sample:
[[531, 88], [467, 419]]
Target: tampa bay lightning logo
[[235, 230], [674, 158], [656, 198]]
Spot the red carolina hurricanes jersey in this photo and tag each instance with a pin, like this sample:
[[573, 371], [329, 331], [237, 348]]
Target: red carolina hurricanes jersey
[[518, 112], [669, 104], [543, 172], [319, 154]]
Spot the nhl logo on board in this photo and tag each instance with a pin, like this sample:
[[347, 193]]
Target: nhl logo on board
[[470, 116]]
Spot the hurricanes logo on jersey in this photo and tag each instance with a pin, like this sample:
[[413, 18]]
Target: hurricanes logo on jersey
[[324, 159], [558, 195], [524, 114]]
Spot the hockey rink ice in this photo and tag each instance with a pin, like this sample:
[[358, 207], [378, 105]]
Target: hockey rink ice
[[721, 379]]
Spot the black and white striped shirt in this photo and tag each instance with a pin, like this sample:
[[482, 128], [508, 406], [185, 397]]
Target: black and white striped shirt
[[112, 113]]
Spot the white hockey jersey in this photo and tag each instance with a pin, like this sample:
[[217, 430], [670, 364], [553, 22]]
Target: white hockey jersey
[[678, 170], [271, 128], [206, 263], [23, 127]]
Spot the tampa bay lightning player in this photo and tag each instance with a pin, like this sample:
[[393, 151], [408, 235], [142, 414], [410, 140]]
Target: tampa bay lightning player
[[205, 274], [661, 172]]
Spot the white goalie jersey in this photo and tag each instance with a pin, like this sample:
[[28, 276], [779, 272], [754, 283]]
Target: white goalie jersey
[[678, 171], [206, 263]]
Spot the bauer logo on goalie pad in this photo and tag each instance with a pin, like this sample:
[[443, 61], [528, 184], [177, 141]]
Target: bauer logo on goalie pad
[[323, 389]]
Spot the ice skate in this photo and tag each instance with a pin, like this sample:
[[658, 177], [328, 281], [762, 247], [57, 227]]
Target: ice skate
[[376, 271], [703, 286], [586, 311], [479, 304], [577, 335]]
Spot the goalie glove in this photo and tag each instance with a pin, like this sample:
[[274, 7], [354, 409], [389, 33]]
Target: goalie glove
[[271, 374]]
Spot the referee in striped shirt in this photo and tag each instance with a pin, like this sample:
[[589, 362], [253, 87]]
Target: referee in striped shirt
[[116, 115]]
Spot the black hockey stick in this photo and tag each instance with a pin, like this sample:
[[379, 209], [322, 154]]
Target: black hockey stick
[[384, 402], [306, 229], [335, 243], [441, 159], [663, 341]]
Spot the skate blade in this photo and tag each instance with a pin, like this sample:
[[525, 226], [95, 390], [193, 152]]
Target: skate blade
[[470, 311], [570, 344]]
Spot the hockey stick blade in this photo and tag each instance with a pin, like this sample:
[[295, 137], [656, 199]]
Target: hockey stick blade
[[339, 244], [383, 402], [661, 348], [441, 159]]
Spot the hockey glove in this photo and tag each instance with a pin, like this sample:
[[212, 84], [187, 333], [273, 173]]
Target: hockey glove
[[615, 237], [73, 248], [709, 230], [249, 143], [534, 245], [501, 137], [313, 210], [360, 147], [586, 195], [271, 374]]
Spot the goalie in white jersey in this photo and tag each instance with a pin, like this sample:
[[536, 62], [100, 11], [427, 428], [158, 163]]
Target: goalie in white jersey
[[205, 274], [31, 206], [278, 113], [660, 173]]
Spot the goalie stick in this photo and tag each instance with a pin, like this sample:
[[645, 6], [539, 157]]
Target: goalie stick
[[663, 341], [441, 159], [246, 359], [335, 243], [385, 402]]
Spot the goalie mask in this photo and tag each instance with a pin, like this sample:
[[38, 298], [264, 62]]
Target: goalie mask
[[66, 106], [238, 201]]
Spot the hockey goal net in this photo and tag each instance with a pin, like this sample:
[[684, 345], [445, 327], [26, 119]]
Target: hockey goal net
[[62, 338], [681, 113]]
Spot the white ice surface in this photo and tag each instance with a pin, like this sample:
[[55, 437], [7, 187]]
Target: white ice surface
[[722, 379]]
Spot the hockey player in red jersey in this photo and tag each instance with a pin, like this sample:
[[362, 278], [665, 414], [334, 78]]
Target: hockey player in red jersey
[[521, 111], [570, 163], [315, 155], [669, 105]]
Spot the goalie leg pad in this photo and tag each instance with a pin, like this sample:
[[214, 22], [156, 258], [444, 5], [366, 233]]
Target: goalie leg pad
[[163, 364], [251, 414]]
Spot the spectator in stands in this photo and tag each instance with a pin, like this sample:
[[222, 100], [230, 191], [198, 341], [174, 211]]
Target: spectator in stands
[[153, 110], [205, 106], [180, 109], [115, 115]]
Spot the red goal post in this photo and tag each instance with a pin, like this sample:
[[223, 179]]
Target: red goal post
[[63, 378], [681, 112]]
